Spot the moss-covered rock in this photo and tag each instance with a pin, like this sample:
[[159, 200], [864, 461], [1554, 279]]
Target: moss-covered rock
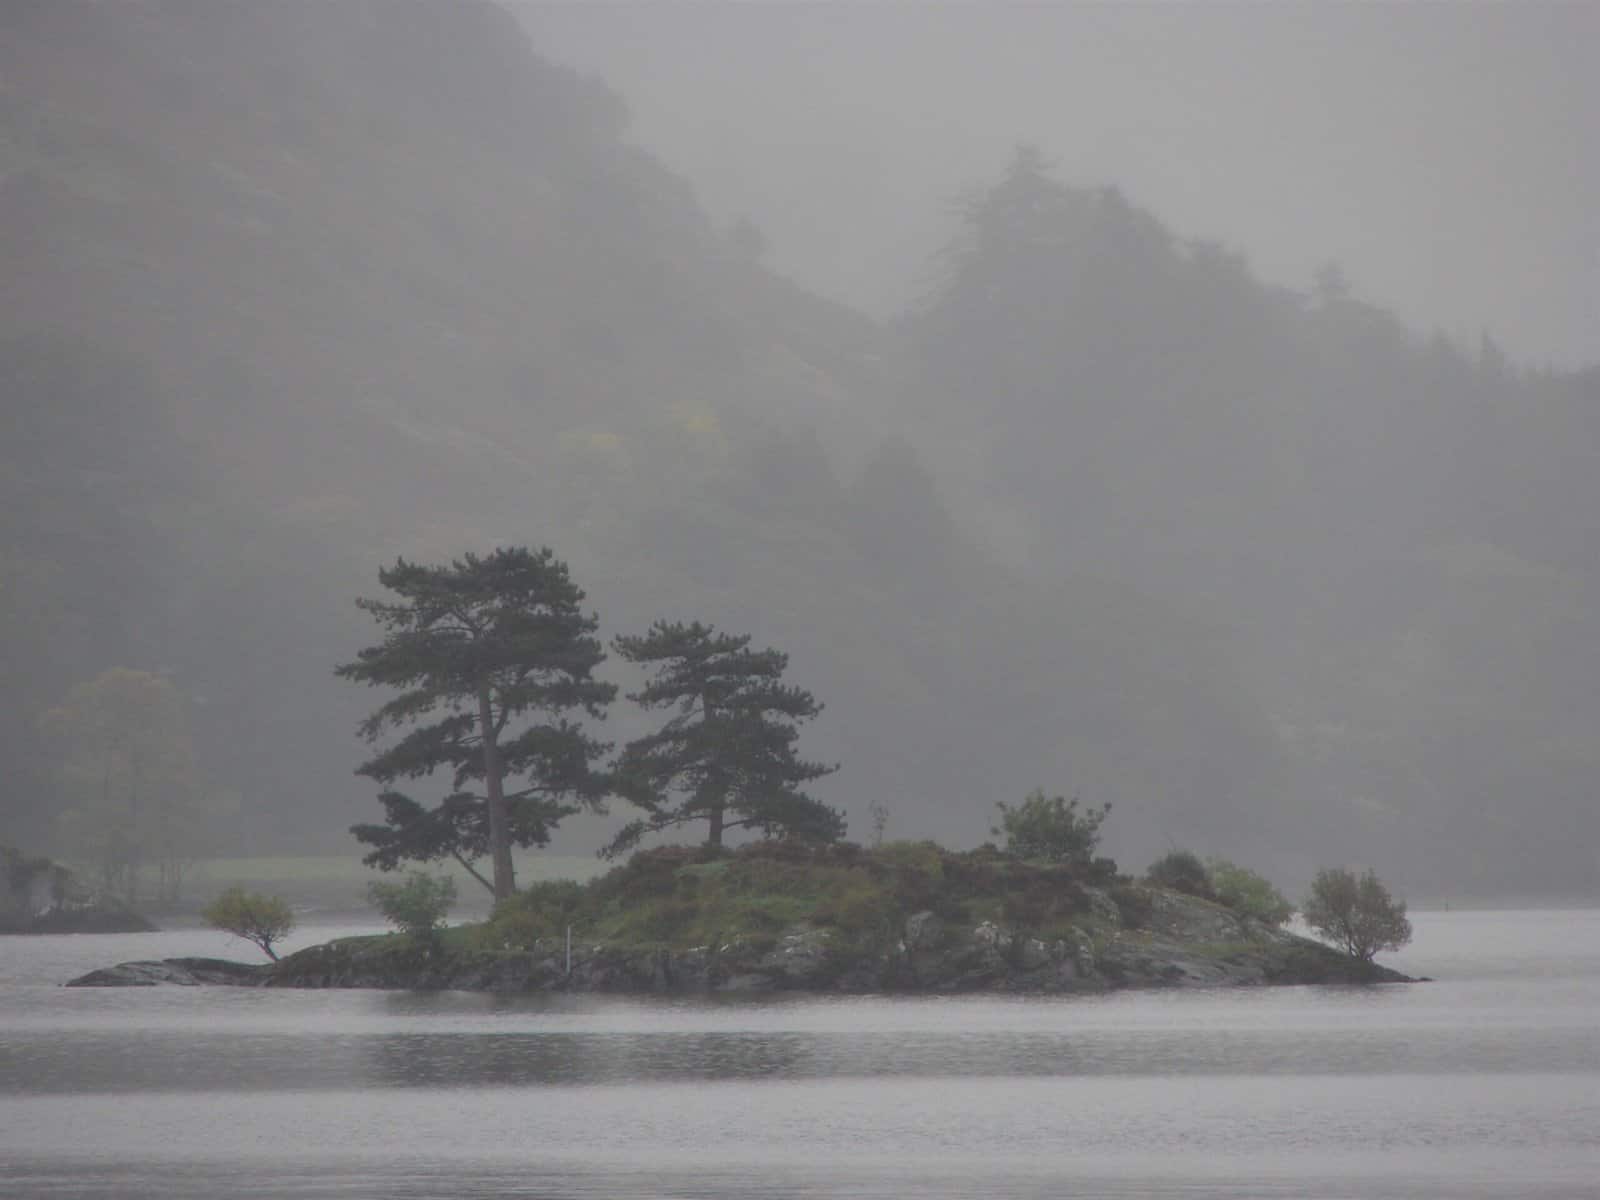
[[181, 972]]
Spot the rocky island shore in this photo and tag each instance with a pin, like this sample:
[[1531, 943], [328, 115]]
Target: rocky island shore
[[912, 918]]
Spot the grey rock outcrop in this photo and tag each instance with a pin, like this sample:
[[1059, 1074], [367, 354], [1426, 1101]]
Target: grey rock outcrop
[[179, 972]]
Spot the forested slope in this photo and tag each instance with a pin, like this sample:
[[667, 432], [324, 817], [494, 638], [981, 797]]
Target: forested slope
[[292, 288], [1388, 537]]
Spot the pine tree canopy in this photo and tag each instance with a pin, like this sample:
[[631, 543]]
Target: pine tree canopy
[[488, 656], [727, 755]]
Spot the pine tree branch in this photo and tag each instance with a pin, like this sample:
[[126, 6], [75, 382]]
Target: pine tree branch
[[471, 870]]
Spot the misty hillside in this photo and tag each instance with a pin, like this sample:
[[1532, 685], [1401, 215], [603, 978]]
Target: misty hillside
[[1389, 540], [355, 280], [293, 288]]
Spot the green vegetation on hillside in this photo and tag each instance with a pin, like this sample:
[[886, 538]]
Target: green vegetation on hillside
[[789, 915], [682, 897], [1247, 892]]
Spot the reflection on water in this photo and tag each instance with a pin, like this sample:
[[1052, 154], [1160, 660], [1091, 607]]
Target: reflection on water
[[101, 1061], [1485, 1083]]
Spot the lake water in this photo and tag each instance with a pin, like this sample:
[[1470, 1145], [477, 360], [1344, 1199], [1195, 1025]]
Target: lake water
[[1484, 1083]]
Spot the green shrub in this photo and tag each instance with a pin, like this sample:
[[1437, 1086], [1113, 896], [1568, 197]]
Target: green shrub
[[416, 907], [1242, 890], [1050, 829], [650, 872], [1182, 872], [511, 929], [259, 919], [558, 900], [797, 850], [977, 873], [541, 910], [664, 919], [913, 872], [924, 856], [855, 910], [1027, 908], [1101, 871], [1357, 915], [1133, 903]]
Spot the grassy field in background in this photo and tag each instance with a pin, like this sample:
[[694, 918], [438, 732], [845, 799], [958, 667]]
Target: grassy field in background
[[339, 881], [328, 868]]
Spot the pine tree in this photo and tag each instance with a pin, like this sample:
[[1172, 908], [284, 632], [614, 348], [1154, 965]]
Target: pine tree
[[727, 757], [482, 649]]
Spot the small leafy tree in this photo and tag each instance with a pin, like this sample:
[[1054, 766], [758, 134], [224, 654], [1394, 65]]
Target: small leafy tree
[[1051, 829], [416, 907], [1242, 890], [260, 919], [1356, 914], [1181, 871]]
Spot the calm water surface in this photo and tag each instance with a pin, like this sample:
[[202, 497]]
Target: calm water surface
[[1485, 1083]]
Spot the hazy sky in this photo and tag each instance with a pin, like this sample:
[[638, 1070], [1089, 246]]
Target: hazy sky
[[1446, 155]]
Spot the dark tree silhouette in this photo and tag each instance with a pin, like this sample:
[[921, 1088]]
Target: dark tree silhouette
[[478, 649], [727, 756]]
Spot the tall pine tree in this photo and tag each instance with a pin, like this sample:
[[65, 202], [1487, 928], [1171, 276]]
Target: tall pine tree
[[727, 756], [489, 655]]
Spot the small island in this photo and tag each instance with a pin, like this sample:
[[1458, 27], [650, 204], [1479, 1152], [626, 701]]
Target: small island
[[791, 916], [493, 659]]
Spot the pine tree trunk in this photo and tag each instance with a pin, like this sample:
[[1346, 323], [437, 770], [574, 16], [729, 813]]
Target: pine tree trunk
[[505, 879]]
